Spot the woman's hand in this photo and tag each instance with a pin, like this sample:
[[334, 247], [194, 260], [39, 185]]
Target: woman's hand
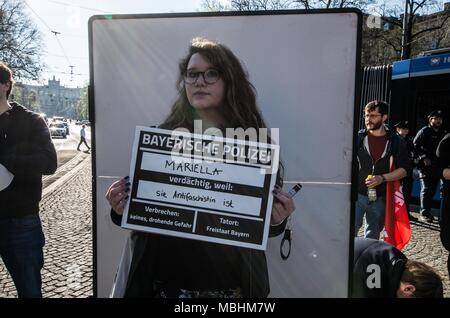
[[118, 194], [283, 207]]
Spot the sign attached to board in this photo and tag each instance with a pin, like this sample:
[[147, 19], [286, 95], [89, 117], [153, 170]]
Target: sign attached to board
[[293, 94], [203, 187]]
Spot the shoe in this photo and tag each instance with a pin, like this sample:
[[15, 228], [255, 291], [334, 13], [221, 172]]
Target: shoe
[[78, 149], [426, 217], [412, 218]]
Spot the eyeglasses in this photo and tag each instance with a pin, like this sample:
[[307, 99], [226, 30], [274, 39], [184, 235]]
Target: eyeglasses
[[371, 116], [209, 76]]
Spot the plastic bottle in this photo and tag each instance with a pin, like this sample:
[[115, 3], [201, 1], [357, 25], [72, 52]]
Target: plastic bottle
[[371, 192]]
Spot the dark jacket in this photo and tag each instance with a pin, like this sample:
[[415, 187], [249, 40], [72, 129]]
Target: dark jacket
[[27, 151], [426, 142], [395, 147], [391, 264], [410, 146], [443, 161], [254, 279]]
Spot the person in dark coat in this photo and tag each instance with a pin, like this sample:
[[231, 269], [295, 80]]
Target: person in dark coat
[[214, 88], [425, 143], [443, 160], [402, 128], [26, 153], [377, 145], [382, 271]]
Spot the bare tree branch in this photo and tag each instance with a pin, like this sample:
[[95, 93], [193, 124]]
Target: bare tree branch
[[20, 41], [418, 6], [431, 29], [250, 5]]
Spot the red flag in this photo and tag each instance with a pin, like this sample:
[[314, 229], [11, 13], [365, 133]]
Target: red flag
[[396, 221]]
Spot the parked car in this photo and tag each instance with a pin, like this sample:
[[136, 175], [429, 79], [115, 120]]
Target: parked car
[[58, 129], [61, 120], [67, 127], [58, 118]]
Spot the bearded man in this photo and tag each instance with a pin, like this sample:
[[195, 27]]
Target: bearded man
[[377, 144]]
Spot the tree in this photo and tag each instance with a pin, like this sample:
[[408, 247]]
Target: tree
[[425, 27], [252, 5], [20, 40], [414, 26], [247, 5], [329, 4], [412, 8], [26, 96], [81, 109]]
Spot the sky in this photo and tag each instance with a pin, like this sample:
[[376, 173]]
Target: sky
[[69, 19]]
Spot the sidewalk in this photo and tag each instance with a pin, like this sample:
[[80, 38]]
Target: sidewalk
[[66, 214]]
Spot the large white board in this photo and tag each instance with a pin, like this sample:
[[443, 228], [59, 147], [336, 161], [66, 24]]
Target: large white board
[[304, 67]]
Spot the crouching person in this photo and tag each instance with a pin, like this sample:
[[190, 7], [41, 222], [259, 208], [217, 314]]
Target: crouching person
[[382, 271]]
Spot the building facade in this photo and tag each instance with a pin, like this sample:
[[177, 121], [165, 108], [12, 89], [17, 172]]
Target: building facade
[[382, 37], [52, 99]]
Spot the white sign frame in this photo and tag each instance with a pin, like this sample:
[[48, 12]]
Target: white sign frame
[[313, 58]]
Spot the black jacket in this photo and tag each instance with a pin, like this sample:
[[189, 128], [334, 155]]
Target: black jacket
[[395, 146], [410, 146], [443, 161], [27, 151], [426, 142], [254, 278], [391, 264]]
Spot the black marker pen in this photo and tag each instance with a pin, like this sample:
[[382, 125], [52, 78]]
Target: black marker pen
[[294, 190]]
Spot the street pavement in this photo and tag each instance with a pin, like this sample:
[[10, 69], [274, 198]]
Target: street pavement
[[66, 212]]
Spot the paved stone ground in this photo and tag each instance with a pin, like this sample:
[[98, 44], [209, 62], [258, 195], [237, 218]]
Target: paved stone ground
[[425, 246], [66, 216], [67, 161], [67, 222]]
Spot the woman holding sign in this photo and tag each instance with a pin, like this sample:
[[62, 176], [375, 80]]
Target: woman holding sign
[[213, 87]]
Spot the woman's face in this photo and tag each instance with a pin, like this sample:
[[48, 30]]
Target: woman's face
[[201, 94]]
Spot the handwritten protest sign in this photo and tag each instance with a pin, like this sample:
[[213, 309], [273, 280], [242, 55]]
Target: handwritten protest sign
[[201, 187]]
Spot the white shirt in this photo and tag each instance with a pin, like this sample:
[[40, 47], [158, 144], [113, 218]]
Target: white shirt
[[82, 133], [5, 177]]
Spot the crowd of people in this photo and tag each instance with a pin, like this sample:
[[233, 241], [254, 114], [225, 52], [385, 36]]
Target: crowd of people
[[377, 144], [386, 155], [214, 87]]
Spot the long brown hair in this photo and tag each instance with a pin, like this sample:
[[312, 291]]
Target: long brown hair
[[239, 109]]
